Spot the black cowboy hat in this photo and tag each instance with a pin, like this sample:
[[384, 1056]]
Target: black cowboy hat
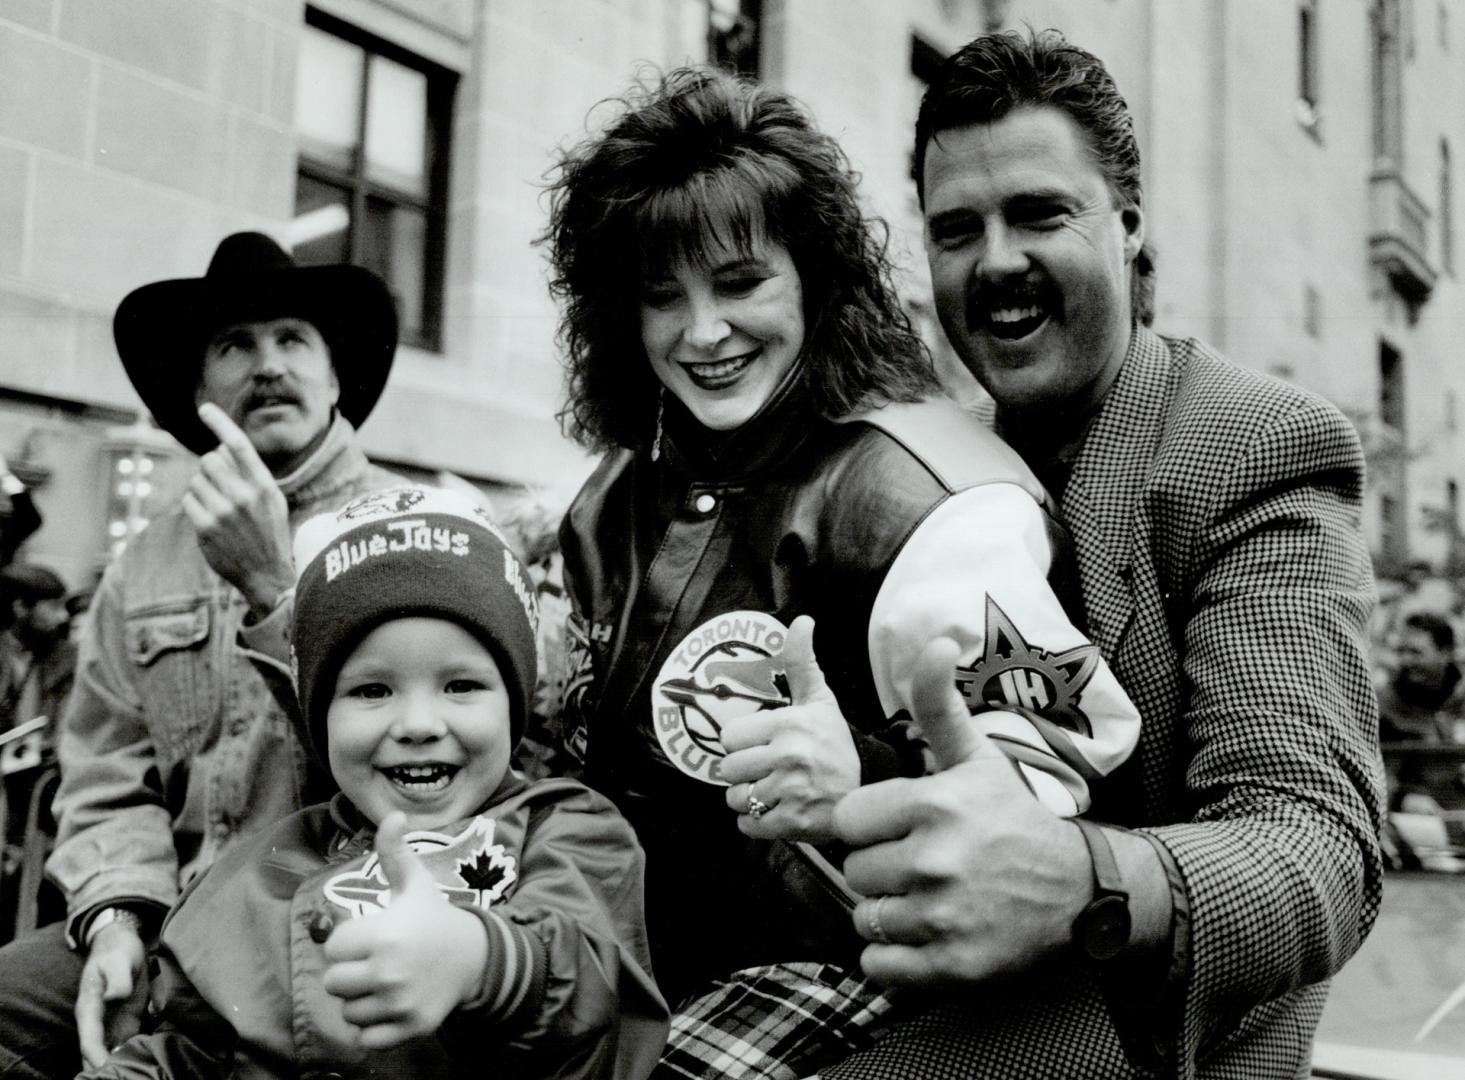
[[162, 328]]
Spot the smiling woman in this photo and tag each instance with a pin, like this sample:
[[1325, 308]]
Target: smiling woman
[[782, 487]]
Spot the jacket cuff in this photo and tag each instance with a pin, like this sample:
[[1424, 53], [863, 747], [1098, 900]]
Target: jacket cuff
[[1145, 994], [514, 974], [268, 640], [79, 924]]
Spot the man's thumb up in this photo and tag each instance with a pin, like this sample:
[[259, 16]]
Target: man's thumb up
[[947, 726], [805, 677], [405, 873]]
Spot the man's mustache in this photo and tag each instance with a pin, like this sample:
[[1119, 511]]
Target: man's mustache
[[271, 393], [984, 297]]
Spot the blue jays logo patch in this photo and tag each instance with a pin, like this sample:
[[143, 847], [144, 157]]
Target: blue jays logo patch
[[1010, 672], [727, 667], [469, 869], [381, 503]]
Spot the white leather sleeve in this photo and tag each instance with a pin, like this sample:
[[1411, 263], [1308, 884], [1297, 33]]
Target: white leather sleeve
[[976, 570]]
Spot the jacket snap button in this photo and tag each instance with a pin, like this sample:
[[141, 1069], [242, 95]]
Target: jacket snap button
[[321, 927], [705, 503]]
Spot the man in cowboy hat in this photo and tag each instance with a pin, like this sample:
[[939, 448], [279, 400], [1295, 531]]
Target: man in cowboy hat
[[173, 745]]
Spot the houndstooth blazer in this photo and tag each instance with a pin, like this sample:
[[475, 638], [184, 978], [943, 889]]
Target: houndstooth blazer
[[1215, 513], [1216, 517]]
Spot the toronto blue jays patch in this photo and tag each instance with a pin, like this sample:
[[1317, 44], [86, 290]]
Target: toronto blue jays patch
[[470, 869], [728, 667]]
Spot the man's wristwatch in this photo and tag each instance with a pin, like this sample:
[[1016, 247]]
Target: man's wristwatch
[[109, 915], [1101, 930]]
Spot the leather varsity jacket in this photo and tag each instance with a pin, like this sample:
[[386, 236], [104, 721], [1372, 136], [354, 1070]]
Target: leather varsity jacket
[[889, 528]]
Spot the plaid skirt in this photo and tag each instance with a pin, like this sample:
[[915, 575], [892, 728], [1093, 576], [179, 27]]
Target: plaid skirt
[[780, 1022], [806, 1020]]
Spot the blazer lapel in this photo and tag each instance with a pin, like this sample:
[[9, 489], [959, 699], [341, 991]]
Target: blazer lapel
[[1101, 504]]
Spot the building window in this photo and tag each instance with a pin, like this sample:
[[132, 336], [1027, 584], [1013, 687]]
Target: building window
[[1444, 26], [1309, 106], [1447, 211], [1388, 112], [1391, 387], [371, 184], [734, 35], [1394, 535], [1312, 311]]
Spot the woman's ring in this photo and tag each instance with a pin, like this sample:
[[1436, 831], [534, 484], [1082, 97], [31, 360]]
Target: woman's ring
[[872, 918], [756, 806]]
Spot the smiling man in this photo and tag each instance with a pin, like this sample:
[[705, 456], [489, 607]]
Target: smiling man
[[1216, 517], [174, 746]]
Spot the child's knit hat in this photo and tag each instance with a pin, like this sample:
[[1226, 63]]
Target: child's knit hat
[[397, 553]]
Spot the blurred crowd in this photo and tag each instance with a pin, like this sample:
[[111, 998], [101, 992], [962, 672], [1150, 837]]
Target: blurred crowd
[[39, 620], [1418, 632]]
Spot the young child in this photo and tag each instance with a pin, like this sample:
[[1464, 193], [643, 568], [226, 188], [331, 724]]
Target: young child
[[441, 916]]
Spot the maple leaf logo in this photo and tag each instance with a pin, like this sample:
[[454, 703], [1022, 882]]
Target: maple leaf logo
[[1012, 673], [489, 871]]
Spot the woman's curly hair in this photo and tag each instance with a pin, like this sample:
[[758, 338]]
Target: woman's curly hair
[[699, 161]]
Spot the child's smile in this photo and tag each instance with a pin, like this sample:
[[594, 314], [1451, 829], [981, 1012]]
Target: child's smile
[[420, 779]]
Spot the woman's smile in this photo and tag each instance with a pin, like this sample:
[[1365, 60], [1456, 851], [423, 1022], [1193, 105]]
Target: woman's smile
[[714, 375]]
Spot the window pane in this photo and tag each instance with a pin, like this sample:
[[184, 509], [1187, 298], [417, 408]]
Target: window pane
[[395, 246], [732, 35], [328, 96], [320, 231], [396, 126], [724, 14]]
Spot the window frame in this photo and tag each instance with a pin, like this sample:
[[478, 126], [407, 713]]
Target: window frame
[[441, 94], [750, 13], [1309, 69], [1447, 208]]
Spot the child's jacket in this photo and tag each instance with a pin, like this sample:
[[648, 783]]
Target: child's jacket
[[551, 868]]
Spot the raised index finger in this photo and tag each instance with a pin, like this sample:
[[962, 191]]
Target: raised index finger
[[233, 440]]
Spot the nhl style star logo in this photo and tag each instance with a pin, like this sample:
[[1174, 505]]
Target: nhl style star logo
[[1012, 673]]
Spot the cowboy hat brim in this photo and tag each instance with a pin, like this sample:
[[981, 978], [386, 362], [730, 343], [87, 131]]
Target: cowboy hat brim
[[161, 330]]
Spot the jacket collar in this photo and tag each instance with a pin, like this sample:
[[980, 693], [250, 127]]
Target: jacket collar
[[337, 463], [783, 424], [356, 832]]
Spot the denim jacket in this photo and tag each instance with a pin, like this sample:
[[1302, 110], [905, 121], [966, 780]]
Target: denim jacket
[[173, 745]]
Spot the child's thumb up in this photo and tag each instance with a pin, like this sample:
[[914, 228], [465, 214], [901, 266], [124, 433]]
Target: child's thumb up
[[404, 872], [801, 668], [946, 725]]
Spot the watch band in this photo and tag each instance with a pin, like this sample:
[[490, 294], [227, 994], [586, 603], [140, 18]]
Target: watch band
[[1101, 930], [109, 915]]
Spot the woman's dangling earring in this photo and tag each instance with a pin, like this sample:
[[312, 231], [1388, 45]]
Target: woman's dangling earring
[[660, 408]]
